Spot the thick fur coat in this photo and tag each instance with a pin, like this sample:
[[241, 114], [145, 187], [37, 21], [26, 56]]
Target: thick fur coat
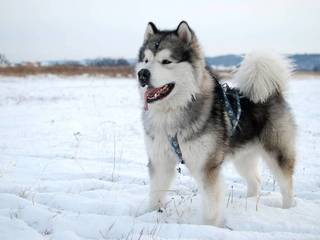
[[182, 96]]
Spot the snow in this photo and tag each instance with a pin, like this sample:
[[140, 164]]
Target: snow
[[73, 166]]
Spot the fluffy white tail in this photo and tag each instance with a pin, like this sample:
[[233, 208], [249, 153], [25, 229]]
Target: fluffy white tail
[[263, 74]]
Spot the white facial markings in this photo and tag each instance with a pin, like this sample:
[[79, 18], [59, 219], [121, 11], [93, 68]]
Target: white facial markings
[[162, 74], [148, 56], [164, 54], [181, 73], [146, 61]]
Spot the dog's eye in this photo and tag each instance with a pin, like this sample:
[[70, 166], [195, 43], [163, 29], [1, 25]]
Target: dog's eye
[[166, 61], [146, 61]]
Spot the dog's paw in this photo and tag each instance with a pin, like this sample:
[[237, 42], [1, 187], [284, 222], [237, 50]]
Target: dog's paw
[[148, 210], [157, 207]]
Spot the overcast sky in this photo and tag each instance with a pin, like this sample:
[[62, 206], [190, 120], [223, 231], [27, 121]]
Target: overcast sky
[[62, 29]]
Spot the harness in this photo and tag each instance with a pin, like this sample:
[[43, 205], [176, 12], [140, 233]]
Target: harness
[[233, 113], [228, 95], [176, 148]]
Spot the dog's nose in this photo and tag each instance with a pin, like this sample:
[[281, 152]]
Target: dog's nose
[[144, 77]]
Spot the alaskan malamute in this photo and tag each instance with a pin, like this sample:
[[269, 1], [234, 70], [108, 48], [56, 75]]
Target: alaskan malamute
[[188, 115]]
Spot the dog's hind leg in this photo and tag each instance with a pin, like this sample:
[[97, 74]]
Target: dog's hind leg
[[279, 152], [282, 166], [247, 165]]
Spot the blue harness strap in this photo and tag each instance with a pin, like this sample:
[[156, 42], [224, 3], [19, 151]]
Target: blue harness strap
[[234, 116], [176, 147]]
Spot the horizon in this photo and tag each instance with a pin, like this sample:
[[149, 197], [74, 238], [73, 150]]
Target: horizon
[[54, 30], [134, 59]]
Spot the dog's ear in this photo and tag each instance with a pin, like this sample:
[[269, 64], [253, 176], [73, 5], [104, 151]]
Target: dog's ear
[[184, 32], [151, 30]]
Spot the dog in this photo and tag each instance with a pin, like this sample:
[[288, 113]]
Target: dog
[[188, 116]]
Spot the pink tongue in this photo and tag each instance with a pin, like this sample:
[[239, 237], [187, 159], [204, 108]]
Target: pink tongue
[[149, 92]]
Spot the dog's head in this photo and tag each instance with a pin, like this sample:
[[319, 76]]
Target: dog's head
[[170, 66]]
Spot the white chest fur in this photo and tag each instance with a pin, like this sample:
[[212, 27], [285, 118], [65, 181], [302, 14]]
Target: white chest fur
[[194, 152]]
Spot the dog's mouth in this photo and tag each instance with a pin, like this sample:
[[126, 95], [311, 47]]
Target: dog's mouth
[[155, 94]]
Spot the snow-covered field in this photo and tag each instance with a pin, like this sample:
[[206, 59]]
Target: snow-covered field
[[73, 166]]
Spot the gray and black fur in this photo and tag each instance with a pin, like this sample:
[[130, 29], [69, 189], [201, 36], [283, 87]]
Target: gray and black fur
[[195, 110]]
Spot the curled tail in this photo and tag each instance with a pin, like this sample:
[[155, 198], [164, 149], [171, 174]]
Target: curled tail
[[260, 75]]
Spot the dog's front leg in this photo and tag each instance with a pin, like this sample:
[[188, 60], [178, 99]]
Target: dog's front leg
[[161, 172], [212, 189]]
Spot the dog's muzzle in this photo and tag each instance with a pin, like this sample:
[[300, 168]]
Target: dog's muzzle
[[144, 77]]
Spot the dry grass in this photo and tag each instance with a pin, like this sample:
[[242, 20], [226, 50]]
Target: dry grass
[[119, 71], [67, 71], [305, 74]]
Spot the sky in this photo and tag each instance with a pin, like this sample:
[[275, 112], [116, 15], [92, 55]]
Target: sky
[[66, 29]]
